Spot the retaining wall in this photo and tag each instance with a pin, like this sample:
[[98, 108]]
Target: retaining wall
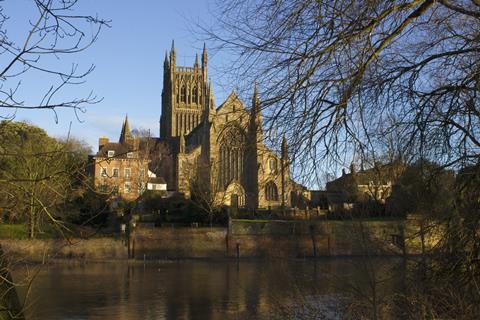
[[286, 239], [177, 243], [38, 250]]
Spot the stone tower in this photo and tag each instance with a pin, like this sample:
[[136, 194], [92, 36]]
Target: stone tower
[[255, 138], [185, 96]]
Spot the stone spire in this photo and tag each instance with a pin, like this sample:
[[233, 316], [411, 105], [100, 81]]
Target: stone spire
[[256, 116], [196, 61], [125, 135], [254, 138], [284, 149], [209, 109], [211, 97], [173, 55], [204, 61], [165, 62]]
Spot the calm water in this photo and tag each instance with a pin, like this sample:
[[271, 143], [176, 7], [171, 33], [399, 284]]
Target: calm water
[[206, 289]]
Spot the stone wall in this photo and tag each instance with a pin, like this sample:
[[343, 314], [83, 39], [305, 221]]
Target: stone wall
[[315, 239], [283, 239], [178, 243], [41, 249]]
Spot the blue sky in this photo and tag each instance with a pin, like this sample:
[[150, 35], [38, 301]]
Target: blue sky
[[129, 64]]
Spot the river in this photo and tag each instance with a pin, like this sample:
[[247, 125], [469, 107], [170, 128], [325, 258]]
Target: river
[[206, 289]]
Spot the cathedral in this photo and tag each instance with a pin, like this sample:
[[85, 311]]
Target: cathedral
[[221, 148], [214, 153]]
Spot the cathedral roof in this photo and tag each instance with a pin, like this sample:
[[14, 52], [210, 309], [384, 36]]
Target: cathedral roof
[[231, 99]]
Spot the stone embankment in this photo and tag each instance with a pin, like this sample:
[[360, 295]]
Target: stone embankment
[[242, 239], [284, 239], [41, 250]]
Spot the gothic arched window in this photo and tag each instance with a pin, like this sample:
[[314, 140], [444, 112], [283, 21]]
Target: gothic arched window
[[183, 94], [271, 193], [177, 94], [272, 165], [195, 94], [232, 148]]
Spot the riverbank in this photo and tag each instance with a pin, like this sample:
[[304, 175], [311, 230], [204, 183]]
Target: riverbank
[[284, 239], [41, 250], [240, 240]]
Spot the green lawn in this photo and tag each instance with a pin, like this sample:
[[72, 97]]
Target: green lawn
[[20, 231], [13, 231]]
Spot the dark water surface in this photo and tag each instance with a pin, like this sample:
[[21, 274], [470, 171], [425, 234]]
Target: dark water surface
[[207, 289]]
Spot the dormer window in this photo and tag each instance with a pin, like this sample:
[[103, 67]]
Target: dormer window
[[110, 153], [129, 155]]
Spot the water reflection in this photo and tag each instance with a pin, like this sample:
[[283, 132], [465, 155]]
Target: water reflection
[[206, 289]]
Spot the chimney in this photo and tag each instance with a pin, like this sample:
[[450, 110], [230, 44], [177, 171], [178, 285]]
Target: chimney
[[101, 142]]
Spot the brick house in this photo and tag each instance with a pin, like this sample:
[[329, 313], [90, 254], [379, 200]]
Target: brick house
[[120, 167]]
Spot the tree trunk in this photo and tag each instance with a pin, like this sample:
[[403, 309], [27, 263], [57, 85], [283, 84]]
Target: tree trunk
[[10, 307], [32, 213]]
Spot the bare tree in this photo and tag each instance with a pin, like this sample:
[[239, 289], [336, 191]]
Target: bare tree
[[339, 76], [56, 31], [351, 79]]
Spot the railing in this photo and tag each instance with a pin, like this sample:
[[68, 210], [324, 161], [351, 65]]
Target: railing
[[184, 69]]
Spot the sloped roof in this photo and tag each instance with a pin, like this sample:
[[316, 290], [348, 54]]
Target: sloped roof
[[230, 99], [120, 149]]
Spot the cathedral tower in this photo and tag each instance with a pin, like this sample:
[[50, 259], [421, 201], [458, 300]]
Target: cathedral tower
[[185, 95]]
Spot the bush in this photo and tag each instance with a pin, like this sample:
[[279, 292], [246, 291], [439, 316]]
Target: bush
[[90, 208]]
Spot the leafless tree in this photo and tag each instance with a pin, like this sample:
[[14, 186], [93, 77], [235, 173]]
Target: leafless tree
[[350, 79], [55, 31], [340, 76]]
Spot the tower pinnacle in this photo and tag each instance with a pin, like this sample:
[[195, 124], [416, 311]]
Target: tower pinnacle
[[204, 61], [173, 55], [125, 135]]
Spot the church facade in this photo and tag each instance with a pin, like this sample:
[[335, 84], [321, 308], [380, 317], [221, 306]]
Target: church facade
[[217, 152]]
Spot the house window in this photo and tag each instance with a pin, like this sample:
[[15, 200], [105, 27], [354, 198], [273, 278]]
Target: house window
[[115, 190], [103, 188], [127, 173], [127, 187], [103, 172], [115, 172], [129, 154], [110, 153]]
